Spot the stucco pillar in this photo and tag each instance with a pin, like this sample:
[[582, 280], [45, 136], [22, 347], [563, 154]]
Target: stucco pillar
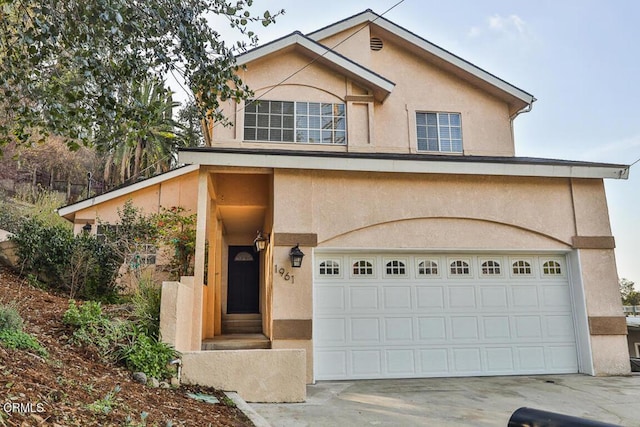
[[199, 258], [606, 322], [292, 300]]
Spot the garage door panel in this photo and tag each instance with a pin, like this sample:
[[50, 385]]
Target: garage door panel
[[530, 359], [462, 297], [562, 358], [331, 364], [330, 331], [400, 362], [555, 297], [398, 329], [365, 330], [428, 315], [364, 298], [493, 297], [330, 299], [433, 361], [430, 297], [467, 360], [464, 328], [397, 297], [525, 296], [527, 327], [496, 328], [432, 329], [499, 360], [367, 363], [559, 327]]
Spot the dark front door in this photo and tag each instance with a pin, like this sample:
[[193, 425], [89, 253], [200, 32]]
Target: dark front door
[[243, 291]]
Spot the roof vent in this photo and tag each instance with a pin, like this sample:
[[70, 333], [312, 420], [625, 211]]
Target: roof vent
[[376, 43]]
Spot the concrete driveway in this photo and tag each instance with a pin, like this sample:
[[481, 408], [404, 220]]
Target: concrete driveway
[[479, 401]]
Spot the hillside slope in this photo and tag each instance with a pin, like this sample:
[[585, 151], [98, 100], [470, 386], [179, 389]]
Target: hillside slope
[[59, 390]]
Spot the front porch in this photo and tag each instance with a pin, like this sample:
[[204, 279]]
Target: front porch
[[244, 363]]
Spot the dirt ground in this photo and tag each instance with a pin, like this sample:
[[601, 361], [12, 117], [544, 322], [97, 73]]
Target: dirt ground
[[59, 390]]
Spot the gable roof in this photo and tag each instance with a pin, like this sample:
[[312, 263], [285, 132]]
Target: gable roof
[[441, 57], [68, 212], [380, 86]]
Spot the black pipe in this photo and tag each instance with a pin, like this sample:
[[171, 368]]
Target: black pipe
[[529, 417]]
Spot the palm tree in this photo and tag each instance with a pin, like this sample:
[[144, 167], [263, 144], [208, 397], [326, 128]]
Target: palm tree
[[149, 140]]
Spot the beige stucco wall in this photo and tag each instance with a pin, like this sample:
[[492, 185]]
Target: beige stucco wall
[[176, 315], [409, 208], [355, 210], [179, 191], [384, 127], [257, 375]]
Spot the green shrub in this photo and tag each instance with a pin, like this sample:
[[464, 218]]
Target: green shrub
[[146, 303], [118, 341], [10, 319], [93, 329], [80, 265], [148, 355], [42, 249], [19, 340]]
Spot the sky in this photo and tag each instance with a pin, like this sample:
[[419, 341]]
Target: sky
[[579, 58]]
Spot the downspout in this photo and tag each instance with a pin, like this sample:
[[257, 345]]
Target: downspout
[[526, 109]]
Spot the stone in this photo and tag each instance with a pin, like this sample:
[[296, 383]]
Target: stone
[[164, 384], [153, 383], [175, 382], [140, 377]]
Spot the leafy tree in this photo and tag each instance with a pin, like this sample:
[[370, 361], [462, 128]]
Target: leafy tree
[[177, 230], [69, 67], [629, 295]]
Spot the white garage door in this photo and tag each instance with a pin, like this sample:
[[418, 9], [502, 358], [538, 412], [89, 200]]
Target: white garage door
[[412, 315]]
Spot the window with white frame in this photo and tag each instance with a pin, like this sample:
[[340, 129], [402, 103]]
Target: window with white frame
[[362, 268], [459, 268], [289, 121], [521, 268], [439, 132], [490, 268], [551, 268], [428, 268], [395, 268], [330, 268]]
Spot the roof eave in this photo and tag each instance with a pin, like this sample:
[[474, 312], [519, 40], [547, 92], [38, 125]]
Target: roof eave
[[285, 159], [472, 70], [380, 86], [68, 212]]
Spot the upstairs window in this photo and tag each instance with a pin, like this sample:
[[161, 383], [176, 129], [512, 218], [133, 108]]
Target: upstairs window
[[439, 132], [302, 122]]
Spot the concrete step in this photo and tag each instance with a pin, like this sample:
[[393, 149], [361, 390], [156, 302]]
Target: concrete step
[[237, 342], [242, 326]]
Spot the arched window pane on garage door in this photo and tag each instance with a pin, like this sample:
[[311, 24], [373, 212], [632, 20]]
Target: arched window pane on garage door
[[330, 268], [551, 268], [362, 268], [395, 268], [491, 268], [521, 268], [428, 268], [459, 268]]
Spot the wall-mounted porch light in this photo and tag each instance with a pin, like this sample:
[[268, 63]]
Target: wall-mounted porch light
[[261, 241], [296, 256], [86, 229]]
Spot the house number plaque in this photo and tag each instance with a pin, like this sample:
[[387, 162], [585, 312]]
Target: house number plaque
[[284, 273]]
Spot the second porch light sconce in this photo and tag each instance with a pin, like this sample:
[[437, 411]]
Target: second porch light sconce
[[260, 242], [296, 256]]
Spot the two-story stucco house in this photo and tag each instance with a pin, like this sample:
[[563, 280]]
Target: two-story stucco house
[[430, 249]]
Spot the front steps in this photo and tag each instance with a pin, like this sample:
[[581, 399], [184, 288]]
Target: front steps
[[233, 324], [237, 342]]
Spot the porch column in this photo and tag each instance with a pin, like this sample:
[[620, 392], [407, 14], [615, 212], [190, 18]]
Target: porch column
[[199, 257]]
